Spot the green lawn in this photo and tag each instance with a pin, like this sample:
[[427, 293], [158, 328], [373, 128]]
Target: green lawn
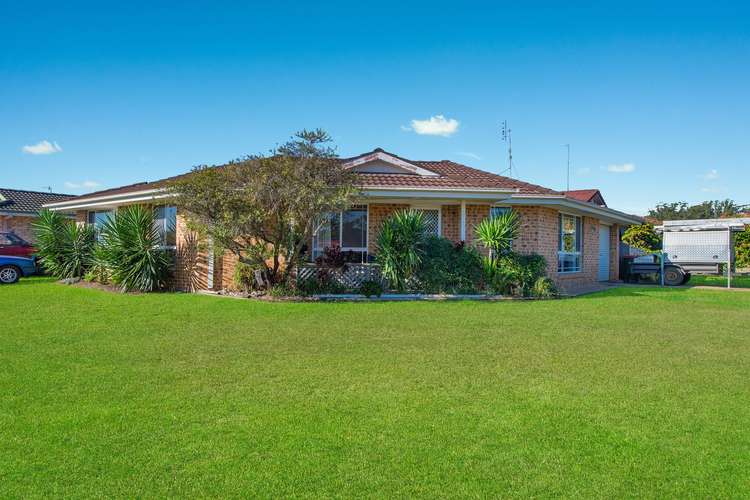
[[633, 392], [737, 281]]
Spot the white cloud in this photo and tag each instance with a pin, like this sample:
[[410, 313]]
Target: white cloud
[[435, 125], [469, 154], [82, 185], [623, 168], [712, 175], [42, 148], [712, 190]]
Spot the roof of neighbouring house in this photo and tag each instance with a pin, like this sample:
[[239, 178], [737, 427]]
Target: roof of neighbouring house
[[587, 195], [23, 202]]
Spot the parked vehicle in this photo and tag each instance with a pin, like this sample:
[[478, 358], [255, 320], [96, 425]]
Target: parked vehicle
[[14, 268], [643, 266], [14, 245]]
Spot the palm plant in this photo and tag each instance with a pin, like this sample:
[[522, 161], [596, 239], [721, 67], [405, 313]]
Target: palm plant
[[496, 234], [64, 248], [132, 250], [400, 246]]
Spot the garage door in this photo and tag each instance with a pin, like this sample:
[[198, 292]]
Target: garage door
[[603, 253]]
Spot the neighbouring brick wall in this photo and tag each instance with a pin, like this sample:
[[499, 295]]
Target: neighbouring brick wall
[[376, 215], [450, 222], [19, 225]]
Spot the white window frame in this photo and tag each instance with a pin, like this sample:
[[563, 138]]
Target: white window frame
[[164, 229], [439, 208], [579, 239], [316, 251]]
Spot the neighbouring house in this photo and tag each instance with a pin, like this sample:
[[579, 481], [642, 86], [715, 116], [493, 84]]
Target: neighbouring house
[[587, 195], [578, 238], [19, 208]]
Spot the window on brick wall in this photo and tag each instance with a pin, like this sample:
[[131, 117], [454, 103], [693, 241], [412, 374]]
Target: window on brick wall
[[97, 218], [346, 230], [165, 221], [432, 220], [569, 244]]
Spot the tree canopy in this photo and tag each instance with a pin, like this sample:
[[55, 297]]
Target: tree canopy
[[713, 209], [265, 208]]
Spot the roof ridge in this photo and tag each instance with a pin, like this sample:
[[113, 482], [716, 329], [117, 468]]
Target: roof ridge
[[34, 192]]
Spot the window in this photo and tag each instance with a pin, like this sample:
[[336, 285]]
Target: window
[[498, 211], [165, 221], [569, 248], [98, 218], [347, 230]]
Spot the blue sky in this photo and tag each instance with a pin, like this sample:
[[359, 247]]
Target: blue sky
[[653, 100]]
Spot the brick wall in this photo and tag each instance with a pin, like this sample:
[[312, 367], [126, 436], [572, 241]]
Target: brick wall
[[376, 215], [614, 252], [18, 224], [450, 222], [474, 215]]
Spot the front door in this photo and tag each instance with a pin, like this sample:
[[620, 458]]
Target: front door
[[603, 253]]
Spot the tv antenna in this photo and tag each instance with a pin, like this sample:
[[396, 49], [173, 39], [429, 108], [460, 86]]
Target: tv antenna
[[567, 146], [506, 135]]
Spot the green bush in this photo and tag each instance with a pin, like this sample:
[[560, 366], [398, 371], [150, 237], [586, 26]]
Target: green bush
[[450, 268], [321, 283], [742, 248], [283, 289], [65, 249], [244, 276], [132, 252], [643, 237], [544, 288], [517, 274], [496, 234], [400, 247], [370, 288]]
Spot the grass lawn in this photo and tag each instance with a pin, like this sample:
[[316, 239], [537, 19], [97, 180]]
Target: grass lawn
[[632, 392], [737, 281]]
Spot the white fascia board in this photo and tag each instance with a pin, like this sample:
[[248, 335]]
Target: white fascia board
[[114, 199], [559, 201], [391, 160], [110, 201]]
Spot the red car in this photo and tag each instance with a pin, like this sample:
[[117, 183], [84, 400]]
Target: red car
[[13, 245]]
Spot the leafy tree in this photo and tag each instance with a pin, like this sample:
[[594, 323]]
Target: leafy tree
[[680, 210], [643, 237], [265, 208], [400, 246]]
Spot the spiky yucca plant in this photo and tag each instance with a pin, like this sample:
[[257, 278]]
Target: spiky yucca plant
[[400, 246], [64, 248], [497, 234], [131, 248]]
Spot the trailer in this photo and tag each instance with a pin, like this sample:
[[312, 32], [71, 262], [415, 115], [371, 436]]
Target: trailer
[[700, 246]]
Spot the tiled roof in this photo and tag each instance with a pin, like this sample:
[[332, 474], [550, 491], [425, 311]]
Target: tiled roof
[[27, 202], [451, 175], [587, 195]]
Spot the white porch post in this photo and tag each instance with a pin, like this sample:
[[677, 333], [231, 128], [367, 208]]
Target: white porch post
[[463, 220]]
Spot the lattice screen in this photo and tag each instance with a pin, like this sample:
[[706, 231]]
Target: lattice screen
[[432, 221]]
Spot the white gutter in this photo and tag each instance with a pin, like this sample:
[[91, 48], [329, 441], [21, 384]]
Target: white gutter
[[112, 199], [580, 206]]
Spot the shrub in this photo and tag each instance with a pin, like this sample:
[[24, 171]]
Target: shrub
[[544, 288], [450, 268], [517, 274], [64, 248], [320, 283], [400, 247], [282, 289], [244, 276], [742, 248], [131, 249], [370, 288], [98, 270]]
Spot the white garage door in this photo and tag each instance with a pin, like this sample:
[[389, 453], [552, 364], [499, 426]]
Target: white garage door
[[603, 253]]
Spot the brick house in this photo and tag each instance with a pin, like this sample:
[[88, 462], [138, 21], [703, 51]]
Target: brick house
[[578, 239], [19, 208]]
